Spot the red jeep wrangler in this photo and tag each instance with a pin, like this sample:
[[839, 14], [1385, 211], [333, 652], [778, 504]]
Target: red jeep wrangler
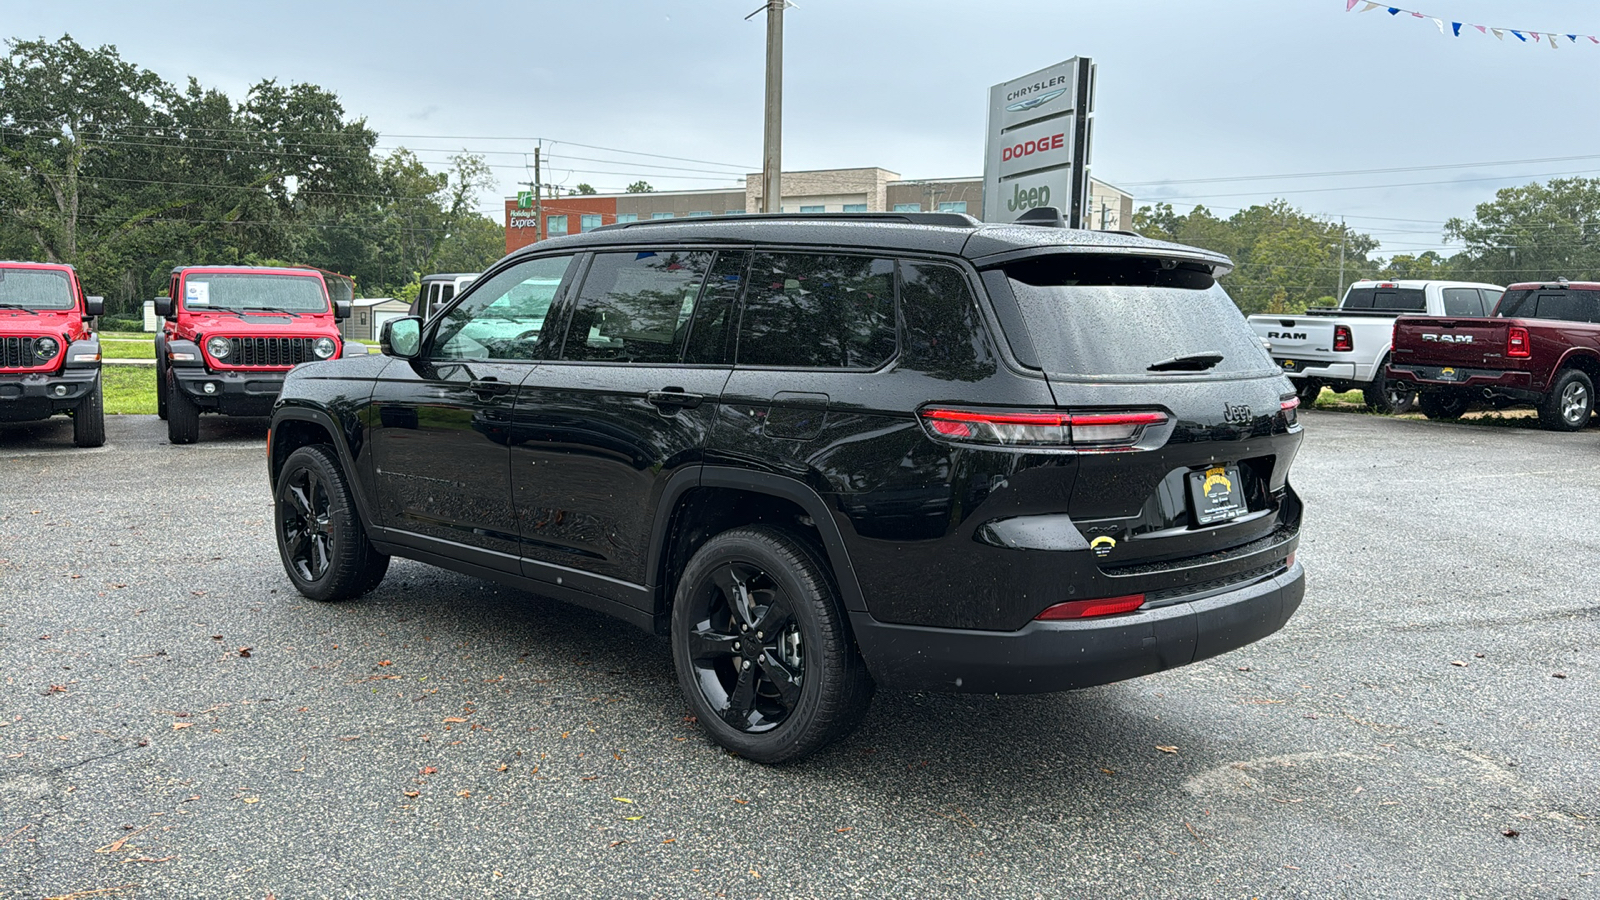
[[49, 353], [231, 334]]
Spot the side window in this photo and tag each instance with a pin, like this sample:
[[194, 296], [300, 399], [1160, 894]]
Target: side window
[[636, 306], [1491, 299], [1571, 306], [813, 310], [1462, 302], [709, 330], [504, 317], [944, 334]]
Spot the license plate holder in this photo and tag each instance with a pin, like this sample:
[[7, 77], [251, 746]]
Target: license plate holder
[[1217, 494], [1289, 365]]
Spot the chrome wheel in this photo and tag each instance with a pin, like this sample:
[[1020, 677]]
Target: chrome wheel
[[1575, 403]]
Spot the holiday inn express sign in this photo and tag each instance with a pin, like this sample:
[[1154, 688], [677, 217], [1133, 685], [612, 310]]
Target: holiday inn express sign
[[1039, 136]]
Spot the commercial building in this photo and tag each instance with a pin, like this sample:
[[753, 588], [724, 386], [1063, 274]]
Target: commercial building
[[823, 190]]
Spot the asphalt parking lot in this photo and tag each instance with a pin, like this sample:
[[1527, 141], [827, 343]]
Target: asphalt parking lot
[[1427, 726]]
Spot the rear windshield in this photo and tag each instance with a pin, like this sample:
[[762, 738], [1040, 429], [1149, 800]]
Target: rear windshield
[[35, 289], [295, 293], [1122, 316], [1566, 305], [1393, 299]]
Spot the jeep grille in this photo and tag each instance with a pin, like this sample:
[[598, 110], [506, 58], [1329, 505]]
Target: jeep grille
[[18, 353], [268, 351]]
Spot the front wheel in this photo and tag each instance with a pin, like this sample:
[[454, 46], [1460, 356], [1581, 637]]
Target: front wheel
[[1569, 403], [183, 414], [89, 419], [762, 649], [1443, 406], [161, 388], [323, 545]]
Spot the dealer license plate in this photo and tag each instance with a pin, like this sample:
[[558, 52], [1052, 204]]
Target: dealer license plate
[[1217, 494], [1289, 365]]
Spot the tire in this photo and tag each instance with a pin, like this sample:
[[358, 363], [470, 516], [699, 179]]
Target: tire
[[1379, 397], [89, 419], [806, 685], [161, 389], [1308, 390], [323, 546], [183, 416], [1569, 403], [1447, 407]]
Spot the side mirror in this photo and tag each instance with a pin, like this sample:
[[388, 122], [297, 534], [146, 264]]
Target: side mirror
[[94, 306], [341, 310], [164, 307], [402, 337]]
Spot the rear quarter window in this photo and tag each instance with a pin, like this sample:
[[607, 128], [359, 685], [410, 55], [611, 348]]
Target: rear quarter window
[[1096, 316]]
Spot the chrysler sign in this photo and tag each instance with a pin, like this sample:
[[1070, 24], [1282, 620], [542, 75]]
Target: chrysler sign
[[1038, 144]]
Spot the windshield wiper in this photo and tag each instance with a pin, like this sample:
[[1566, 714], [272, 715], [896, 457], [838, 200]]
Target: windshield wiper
[[16, 306], [1192, 362], [268, 309]]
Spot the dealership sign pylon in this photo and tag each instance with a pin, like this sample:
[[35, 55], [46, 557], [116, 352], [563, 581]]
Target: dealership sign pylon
[[1040, 126]]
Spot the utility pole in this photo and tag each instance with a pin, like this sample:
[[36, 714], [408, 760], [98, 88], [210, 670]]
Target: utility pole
[[772, 143], [1339, 298], [538, 200]]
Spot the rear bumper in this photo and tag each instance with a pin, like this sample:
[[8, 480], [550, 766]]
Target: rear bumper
[[39, 395], [1322, 369], [1498, 382], [1058, 656], [231, 393]]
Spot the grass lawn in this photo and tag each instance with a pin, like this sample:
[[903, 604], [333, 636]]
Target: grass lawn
[[127, 348], [129, 390]]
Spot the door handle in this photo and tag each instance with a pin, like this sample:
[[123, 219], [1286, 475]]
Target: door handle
[[675, 397], [491, 386]]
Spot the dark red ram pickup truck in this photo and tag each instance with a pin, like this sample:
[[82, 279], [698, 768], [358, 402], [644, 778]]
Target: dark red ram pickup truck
[[1540, 348]]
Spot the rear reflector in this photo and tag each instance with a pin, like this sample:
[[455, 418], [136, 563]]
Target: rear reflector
[[1517, 342], [1342, 340], [1088, 609], [1021, 428]]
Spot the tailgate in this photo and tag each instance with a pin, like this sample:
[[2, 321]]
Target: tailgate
[[1441, 341], [1296, 336]]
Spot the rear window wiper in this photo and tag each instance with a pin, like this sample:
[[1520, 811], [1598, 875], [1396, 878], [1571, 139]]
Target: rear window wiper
[[1193, 362]]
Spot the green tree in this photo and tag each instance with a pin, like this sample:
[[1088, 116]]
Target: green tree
[[640, 187], [1533, 233], [585, 188]]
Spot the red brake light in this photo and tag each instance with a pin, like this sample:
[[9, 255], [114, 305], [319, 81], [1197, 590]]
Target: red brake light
[[1088, 609], [1342, 341], [1517, 342], [1116, 430], [1289, 403]]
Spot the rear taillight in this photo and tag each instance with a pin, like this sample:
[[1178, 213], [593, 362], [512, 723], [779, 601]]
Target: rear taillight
[[1088, 609], [1342, 341], [1517, 342], [1288, 405], [1089, 431]]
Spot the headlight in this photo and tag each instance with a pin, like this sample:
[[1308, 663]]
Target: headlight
[[46, 348], [323, 347], [219, 348]]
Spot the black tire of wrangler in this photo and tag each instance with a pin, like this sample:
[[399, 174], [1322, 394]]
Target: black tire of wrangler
[[1308, 390], [836, 689], [1569, 403], [183, 416], [161, 389], [1445, 407], [354, 565], [89, 419]]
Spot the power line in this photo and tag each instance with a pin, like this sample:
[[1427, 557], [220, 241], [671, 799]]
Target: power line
[[1502, 162]]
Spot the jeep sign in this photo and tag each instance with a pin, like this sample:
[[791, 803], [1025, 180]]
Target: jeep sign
[[1038, 145]]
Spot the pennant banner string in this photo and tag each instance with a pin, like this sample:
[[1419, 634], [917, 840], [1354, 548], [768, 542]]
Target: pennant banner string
[[1521, 34]]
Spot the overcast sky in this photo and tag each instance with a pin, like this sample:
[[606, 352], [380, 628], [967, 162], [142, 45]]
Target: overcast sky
[[1188, 90]]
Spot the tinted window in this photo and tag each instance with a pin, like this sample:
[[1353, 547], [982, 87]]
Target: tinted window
[[1514, 304], [944, 335], [812, 310], [1572, 306], [1462, 302], [504, 317], [1491, 299], [635, 306], [709, 330], [1100, 315], [1400, 299]]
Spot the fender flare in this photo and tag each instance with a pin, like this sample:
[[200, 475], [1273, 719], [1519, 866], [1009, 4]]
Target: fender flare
[[341, 449], [773, 485]]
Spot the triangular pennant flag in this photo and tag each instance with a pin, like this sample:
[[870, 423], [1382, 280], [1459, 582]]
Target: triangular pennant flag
[[1535, 36], [1593, 38], [1553, 44], [1519, 35], [1417, 15], [1573, 38], [1371, 6], [1394, 10], [1439, 24], [1481, 29], [1498, 34], [1350, 4], [1456, 27]]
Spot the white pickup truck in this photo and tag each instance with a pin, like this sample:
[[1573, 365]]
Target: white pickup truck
[[1347, 347]]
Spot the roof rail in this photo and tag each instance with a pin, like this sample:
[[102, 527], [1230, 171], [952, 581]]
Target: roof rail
[[948, 220]]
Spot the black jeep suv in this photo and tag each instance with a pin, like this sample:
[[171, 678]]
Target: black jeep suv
[[823, 454]]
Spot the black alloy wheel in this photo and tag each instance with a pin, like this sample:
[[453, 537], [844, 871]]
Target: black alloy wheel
[[323, 546], [1381, 396], [761, 647]]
